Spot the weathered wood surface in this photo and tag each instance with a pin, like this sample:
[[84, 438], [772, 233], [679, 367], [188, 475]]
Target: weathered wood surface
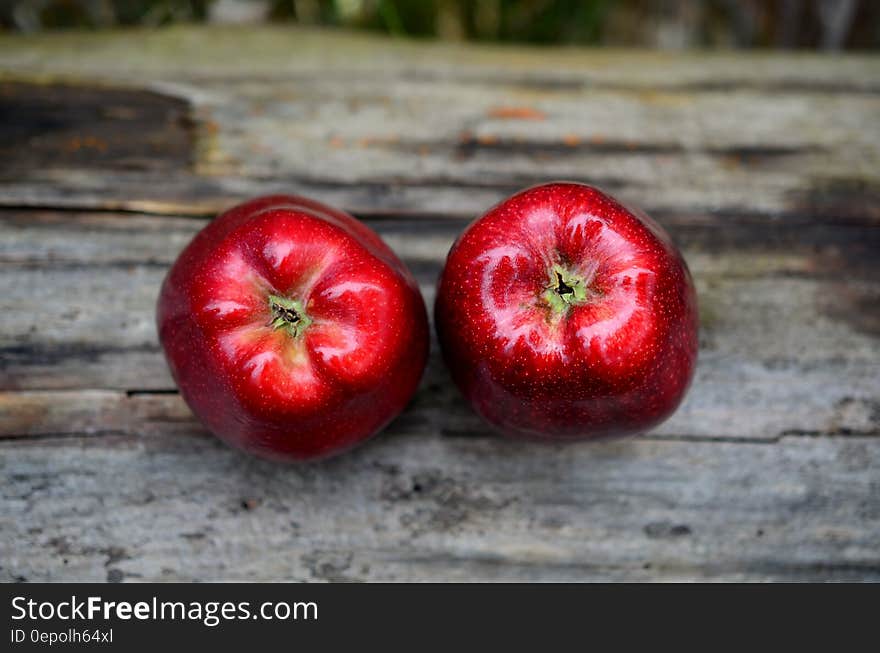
[[115, 148]]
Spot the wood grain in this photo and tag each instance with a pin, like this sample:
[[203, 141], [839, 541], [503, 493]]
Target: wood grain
[[116, 148], [410, 507], [344, 119]]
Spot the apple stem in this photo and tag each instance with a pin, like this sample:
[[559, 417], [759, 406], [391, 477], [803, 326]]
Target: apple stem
[[288, 314], [565, 289]]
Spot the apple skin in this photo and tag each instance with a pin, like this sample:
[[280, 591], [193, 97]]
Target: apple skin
[[291, 329], [564, 315]]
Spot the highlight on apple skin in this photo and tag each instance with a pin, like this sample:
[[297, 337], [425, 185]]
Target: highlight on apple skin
[[562, 315], [291, 329]]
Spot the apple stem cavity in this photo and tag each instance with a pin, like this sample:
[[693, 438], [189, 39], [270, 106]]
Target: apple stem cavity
[[566, 289], [288, 314]]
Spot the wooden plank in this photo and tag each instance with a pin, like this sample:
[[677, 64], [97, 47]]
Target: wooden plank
[[100, 274], [423, 507], [781, 136]]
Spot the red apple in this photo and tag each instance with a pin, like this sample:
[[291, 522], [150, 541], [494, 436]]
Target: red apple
[[291, 329], [562, 314]]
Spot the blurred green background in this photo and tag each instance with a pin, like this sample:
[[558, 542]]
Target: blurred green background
[[668, 24]]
